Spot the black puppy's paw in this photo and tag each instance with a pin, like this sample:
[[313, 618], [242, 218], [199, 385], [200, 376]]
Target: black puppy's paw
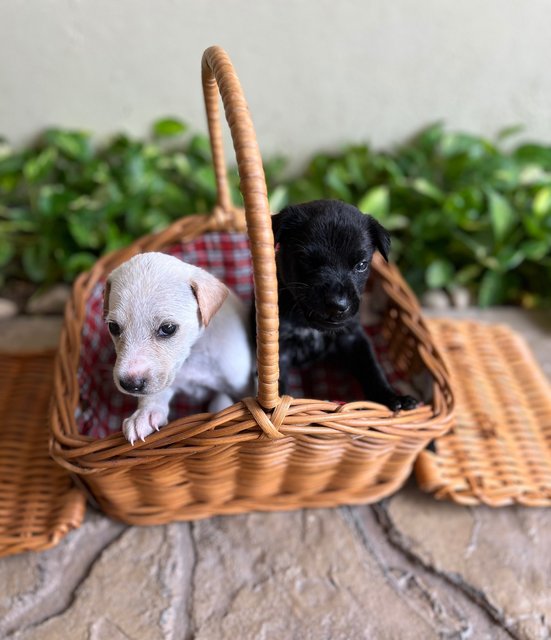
[[397, 403]]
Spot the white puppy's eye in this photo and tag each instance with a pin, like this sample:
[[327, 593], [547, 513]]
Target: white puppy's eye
[[166, 330], [361, 266], [114, 329]]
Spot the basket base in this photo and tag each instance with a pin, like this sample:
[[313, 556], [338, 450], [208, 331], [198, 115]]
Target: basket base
[[282, 502]]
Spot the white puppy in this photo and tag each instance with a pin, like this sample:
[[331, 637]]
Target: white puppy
[[175, 327]]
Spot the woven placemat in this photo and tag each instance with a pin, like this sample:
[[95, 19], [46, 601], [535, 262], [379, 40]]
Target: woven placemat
[[499, 450], [38, 502]]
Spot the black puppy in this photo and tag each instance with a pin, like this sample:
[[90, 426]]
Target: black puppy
[[324, 252]]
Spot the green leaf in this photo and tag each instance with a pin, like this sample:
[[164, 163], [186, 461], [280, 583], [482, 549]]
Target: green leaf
[[394, 222], [533, 174], [199, 146], [7, 250], [534, 227], [355, 168], [182, 164], [53, 200], [375, 202], [78, 262], [155, 220], [542, 202], [426, 188], [205, 179], [501, 215], [116, 238], [468, 274], [39, 167], [273, 168], [428, 138], [509, 258], [36, 259], [508, 132], [5, 148], [336, 180], [74, 144], [11, 164], [169, 127], [84, 230], [278, 198], [473, 147], [439, 274], [536, 154], [492, 289], [535, 249], [87, 220]]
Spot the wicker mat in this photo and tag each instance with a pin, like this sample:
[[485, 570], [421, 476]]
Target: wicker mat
[[38, 501], [499, 451]]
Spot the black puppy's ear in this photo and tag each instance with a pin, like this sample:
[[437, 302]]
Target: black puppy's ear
[[288, 218], [379, 235], [278, 220]]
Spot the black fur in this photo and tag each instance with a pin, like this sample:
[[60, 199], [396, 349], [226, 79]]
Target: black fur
[[324, 253]]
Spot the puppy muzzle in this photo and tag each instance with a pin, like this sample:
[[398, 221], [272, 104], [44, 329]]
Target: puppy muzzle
[[141, 384], [337, 308], [330, 312]]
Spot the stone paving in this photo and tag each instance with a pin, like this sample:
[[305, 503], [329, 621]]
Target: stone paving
[[408, 567]]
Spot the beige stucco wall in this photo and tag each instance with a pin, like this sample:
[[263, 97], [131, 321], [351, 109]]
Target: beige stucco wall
[[316, 72]]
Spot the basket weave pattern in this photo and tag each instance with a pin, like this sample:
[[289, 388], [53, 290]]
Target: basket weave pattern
[[38, 503], [267, 452], [499, 449]]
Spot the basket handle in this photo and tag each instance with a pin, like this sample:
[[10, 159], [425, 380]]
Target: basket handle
[[219, 77]]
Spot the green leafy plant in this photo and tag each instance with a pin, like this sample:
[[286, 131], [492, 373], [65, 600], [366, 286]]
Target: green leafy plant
[[65, 201], [462, 210]]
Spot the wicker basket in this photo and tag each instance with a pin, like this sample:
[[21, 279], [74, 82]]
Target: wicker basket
[[263, 453]]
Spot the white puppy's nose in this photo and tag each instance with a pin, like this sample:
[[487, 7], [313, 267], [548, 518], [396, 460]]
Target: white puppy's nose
[[133, 385]]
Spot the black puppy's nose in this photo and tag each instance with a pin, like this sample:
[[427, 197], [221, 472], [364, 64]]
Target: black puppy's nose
[[337, 307], [133, 385]]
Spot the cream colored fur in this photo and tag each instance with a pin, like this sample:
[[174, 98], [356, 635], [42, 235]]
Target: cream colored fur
[[209, 357]]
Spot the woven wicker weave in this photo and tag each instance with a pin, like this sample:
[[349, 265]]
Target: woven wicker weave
[[499, 450], [262, 453], [38, 501]]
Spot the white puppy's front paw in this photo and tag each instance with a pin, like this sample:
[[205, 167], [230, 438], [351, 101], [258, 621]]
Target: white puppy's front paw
[[143, 422]]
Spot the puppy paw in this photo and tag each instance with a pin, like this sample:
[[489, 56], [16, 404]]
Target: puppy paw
[[398, 403], [143, 422]]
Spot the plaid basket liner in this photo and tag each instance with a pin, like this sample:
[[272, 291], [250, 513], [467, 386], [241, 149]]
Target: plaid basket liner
[[226, 255]]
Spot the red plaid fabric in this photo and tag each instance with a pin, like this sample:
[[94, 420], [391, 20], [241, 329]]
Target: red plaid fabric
[[102, 407]]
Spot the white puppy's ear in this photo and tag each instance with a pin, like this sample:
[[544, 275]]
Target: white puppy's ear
[[106, 292], [210, 294]]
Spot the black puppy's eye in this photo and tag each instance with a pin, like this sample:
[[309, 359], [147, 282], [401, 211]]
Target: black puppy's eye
[[114, 329], [361, 266], [166, 330]]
